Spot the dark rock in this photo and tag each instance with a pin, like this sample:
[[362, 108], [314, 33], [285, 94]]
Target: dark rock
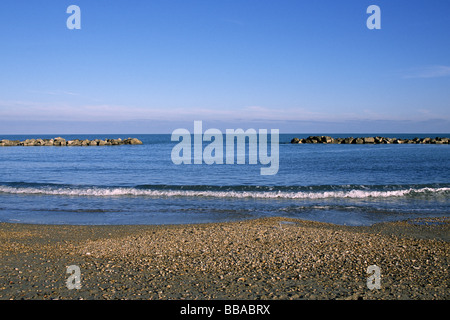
[[29, 142], [62, 142], [378, 140], [365, 140], [349, 140], [74, 143], [48, 142], [116, 142], [8, 143], [134, 141], [59, 142]]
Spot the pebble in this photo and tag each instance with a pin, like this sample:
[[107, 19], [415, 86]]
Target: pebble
[[304, 260]]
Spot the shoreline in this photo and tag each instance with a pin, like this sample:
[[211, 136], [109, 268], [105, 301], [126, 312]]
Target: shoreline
[[266, 258]]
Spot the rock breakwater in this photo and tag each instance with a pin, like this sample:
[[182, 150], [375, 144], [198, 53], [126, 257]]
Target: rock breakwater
[[370, 140], [61, 142]]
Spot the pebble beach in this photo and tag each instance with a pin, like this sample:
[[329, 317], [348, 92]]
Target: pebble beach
[[267, 259]]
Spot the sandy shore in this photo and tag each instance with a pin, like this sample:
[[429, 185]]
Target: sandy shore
[[273, 258]]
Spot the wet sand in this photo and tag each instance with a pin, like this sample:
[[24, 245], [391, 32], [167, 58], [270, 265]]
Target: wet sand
[[270, 258]]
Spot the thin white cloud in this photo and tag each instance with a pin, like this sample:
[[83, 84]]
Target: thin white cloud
[[428, 72], [27, 110], [55, 93]]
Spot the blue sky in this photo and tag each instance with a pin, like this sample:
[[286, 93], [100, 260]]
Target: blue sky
[[154, 66]]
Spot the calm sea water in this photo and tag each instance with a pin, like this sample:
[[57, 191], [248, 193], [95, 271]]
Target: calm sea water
[[343, 184]]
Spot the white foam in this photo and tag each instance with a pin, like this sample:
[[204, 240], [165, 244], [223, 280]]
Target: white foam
[[116, 192]]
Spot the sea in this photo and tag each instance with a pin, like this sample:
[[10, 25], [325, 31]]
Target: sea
[[353, 185]]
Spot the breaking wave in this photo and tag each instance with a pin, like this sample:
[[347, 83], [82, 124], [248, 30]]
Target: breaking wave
[[251, 192]]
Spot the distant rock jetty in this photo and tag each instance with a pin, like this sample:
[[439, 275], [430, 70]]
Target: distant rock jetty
[[61, 142], [370, 140]]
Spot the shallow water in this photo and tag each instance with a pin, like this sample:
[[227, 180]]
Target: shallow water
[[139, 184]]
